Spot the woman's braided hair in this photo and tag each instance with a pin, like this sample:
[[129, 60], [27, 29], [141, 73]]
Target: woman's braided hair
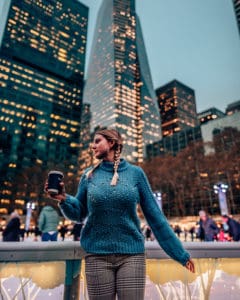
[[111, 135]]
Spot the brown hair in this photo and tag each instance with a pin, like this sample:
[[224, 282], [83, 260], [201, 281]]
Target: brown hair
[[111, 135]]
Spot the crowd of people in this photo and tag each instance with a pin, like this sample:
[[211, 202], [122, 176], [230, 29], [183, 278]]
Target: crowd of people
[[205, 229], [51, 228]]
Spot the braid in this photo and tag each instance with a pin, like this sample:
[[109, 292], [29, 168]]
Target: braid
[[116, 164]]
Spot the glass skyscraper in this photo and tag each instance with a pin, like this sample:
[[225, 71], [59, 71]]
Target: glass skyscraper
[[119, 86], [85, 153], [48, 34], [42, 60], [177, 107]]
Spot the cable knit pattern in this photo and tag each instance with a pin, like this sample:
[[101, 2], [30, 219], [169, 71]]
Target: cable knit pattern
[[112, 225]]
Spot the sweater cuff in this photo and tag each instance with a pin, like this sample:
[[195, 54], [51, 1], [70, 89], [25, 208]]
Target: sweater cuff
[[185, 259]]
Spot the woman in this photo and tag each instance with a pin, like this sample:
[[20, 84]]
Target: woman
[[12, 230], [48, 222], [108, 195]]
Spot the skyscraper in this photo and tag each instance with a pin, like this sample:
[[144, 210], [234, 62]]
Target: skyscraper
[[85, 153], [119, 86], [236, 5], [177, 107], [42, 59]]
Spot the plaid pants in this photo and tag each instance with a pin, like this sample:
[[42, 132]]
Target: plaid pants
[[111, 275]]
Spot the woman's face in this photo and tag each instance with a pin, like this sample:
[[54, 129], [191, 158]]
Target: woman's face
[[102, 147]]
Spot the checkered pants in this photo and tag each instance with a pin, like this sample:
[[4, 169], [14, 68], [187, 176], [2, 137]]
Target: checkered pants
[[111, 275]]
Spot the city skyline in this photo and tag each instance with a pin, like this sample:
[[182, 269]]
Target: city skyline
[[42, 63], [181, 53]]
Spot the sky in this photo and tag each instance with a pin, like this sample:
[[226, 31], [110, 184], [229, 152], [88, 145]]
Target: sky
[[194, 41]]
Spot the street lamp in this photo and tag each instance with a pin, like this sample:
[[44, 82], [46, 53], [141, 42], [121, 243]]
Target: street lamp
[[221, 189], [158, 198]]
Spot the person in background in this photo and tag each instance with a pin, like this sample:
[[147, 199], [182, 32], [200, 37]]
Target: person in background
[[108, 195], [22, 232], [62, 230], [192, 232], [37, 233], [177, 230], [233, 227], [222, 235], [147, 233], [48, 222], [12, 231], [76, 231], [185, 234], [208, 229]]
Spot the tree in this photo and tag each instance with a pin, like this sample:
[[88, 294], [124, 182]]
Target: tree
[[186, 180]]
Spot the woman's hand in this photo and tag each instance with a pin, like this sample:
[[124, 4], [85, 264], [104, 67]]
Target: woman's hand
[[190, 266], [61, 197]]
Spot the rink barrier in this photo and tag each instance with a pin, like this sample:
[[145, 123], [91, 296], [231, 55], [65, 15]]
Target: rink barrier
[[72, 254]]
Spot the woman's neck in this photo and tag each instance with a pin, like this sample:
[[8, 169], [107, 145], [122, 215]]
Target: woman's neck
[[109, 157]]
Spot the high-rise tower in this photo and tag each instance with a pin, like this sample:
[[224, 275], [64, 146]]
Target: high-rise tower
[[177, 107], [236, 4], [42, 60], [119, 86]]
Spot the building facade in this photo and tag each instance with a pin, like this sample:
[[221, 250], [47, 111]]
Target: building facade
[[177, 107], [174, 143], [209, 130], [119, 86], [42, 60], [85, 152], [209, 115]]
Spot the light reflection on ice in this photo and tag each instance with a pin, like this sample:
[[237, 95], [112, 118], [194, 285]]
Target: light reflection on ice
[[220, 285], [223, 286]]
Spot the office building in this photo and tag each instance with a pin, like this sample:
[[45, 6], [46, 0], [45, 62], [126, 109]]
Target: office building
[[174, 143], [42, 59], [177, 107], [210, 114], [207, 132], [50, 35], [227, 128], [119, 86]]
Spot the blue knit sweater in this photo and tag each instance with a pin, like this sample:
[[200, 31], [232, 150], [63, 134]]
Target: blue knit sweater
[[112, 225]]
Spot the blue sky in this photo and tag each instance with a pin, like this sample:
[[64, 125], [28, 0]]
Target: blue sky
[[195, 42]]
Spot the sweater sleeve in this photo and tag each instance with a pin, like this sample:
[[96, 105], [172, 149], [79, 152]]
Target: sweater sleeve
[[159, 224], [75, 207]]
